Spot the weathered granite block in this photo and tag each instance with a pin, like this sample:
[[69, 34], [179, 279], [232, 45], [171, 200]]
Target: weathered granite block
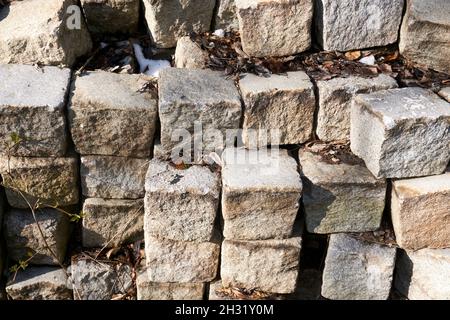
[[113, 177], [260, 195], [401, 133], [181, 204], [202, 96], [147, 290], [118, 118], [168, 20], [111, 16], [99, 280], [420, 211], [226, 17], [445, 93], [23, 238], [39, 283], [357, 270], [266, 265], [189, 55], [43, 32], [425, 33], [181, 261], [32, 102], [424, 274], [49, 181], [335, 97], [340, 197], [112, 222], [274, 27], [279, 102], [356, 24]]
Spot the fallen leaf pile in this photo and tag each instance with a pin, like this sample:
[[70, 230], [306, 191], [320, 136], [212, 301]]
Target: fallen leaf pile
[[335, 153], [244, 294], [226, 54]]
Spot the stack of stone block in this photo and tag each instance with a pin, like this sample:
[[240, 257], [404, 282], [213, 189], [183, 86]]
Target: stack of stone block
[[182, 244], [401, 135], [39, 172], [260, 201], [112, 129]]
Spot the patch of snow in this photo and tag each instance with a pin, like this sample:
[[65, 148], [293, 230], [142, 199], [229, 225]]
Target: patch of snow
[[369, 60], [219, 33], [148, 66]]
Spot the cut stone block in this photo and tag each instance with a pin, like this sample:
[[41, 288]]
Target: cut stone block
[[99, 280], [189, 55], [274, 27], [43, 32], [113, 177], [112, 223], [51, 181], [335, 97], [117, 118], [168, 20], [181, 204], [111, 16], [357, 270], [420, 211], [147, 290], [340, 197], [266, 265], [279, 102], [39, 283], [32, 102], [357, 24], [260, 195], [425, 33], [445, 93], [226, 17], [23, 238], [401, 133], [424, 274], [181, 261], [201, 96]]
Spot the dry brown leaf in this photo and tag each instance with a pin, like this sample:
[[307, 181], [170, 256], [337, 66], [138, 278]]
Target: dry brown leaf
[[353, 55]]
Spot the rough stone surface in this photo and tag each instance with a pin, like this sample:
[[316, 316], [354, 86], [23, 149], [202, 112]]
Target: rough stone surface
[[113, 177], [29, 93], [420, 211], [274, 27], [39, 283], [260, 195], [283, 102], [51, 181], [445, 93], [189, 55], [266, 265], [23, 238], [111, 16], [340, 197], [99, 280], [425, 34], [357, 270], [335, 97], [181, 261], [147, 290], [204, 96], [424, 274], [41, 36], [357, 24], [226, 17], [168, 20], [401, 133], [114, 119], [112, 222], [181, 204]]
